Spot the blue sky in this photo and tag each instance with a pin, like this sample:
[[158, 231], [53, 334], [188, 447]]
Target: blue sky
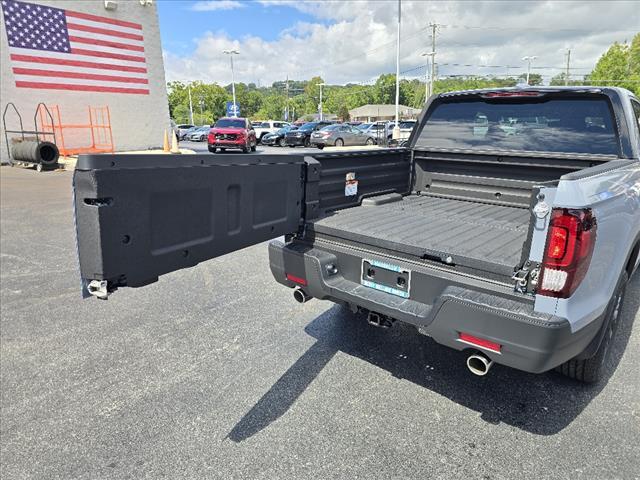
[[181, 25], [354, 40]]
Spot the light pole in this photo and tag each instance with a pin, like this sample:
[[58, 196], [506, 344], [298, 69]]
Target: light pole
[[231, 53], [320, 104], [529, 59], [396, 129], [190, 106], [427, 85]]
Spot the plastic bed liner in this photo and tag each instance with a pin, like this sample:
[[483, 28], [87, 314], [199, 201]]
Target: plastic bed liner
[[476, 235]]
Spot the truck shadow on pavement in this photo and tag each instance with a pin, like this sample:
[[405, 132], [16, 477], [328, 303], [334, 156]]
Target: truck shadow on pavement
[[540, 404]]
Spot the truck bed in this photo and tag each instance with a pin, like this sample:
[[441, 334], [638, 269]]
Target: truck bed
[[477, 235]]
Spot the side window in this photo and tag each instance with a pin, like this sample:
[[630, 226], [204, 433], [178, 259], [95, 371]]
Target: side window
[[636, 110], [277, 124]]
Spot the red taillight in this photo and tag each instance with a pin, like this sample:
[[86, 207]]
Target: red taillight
[[480, 342], [298, 280], [570, 242]]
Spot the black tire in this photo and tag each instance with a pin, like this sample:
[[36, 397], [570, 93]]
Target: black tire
[[307, 142], [291, 146], [320, 146], [246, 149], [282, 142], [212, 149], [369, 141], [589, 370], [339, 142], [253, 147]]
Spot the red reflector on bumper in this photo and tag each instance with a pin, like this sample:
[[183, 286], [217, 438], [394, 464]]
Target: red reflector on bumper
[[480, 342], [295, 279]]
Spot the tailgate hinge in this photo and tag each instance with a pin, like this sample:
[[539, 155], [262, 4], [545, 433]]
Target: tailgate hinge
[[526, 278]]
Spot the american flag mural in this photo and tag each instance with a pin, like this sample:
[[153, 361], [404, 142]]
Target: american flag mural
[[57, 49]]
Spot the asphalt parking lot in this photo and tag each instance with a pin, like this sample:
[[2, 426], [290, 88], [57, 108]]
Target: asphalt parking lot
[[215, 372], [201, 147]]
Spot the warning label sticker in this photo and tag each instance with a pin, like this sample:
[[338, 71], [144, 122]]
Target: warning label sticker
[[350, 185]]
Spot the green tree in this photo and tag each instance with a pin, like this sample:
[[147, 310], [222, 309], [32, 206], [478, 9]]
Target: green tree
[[619, 66], [384, 90], [343, 113], [560, 80], [534, 78]]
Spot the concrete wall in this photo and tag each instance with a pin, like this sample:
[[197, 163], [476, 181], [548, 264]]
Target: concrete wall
[[138, 121]]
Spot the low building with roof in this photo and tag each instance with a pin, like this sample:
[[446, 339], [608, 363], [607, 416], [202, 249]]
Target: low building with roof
[[375, 113]]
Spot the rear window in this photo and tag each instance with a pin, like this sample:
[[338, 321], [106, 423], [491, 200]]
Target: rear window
[[559, 125], [230, 123]]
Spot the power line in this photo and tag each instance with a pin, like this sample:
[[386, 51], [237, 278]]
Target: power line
[[533, 29]]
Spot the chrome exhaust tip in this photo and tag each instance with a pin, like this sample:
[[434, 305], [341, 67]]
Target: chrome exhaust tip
[[479, 364], [301, 296]]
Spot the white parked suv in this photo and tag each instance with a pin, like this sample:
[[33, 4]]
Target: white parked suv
[[269, 126]]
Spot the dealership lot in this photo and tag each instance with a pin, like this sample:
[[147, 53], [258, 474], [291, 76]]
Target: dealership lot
[[216, 372], [201, 147]]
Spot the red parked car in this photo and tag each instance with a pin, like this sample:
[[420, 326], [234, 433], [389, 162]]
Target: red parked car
[[232, 133]]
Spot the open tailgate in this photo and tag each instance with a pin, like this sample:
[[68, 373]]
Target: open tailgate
[[141, 216]]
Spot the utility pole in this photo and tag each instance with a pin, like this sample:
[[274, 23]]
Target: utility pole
[[566, 77], [287, 103], [396, 128], [529, 59], [231, 53], [190, 106], [434, 27], [428, 88]]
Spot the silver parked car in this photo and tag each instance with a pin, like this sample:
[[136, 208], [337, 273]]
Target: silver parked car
[[199, 134], [340, 134]]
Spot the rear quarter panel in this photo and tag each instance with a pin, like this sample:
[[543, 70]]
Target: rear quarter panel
[[614, 197]]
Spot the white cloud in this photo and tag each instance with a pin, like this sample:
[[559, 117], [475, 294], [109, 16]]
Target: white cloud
[[211, 5], [354, 41]]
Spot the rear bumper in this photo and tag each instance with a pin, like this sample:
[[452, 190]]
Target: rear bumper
[[295, 140], [441, 305], [323, 142]]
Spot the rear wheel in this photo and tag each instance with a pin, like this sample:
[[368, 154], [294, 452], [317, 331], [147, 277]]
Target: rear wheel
[[369, 141], [282, 142], [307, 142], [589, 370], [339, 142]]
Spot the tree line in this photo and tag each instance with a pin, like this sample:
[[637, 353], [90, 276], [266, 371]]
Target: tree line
[[618, 66]]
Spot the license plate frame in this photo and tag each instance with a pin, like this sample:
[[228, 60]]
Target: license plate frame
[[386, 277]]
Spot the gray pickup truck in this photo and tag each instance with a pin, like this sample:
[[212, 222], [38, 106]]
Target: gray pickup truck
[[508, 227]]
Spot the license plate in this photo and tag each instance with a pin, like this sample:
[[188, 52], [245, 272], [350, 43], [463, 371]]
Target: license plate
[[386, 277]]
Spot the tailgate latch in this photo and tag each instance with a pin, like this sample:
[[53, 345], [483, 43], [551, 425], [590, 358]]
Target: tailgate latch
[[526, 279], [98, 288]]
